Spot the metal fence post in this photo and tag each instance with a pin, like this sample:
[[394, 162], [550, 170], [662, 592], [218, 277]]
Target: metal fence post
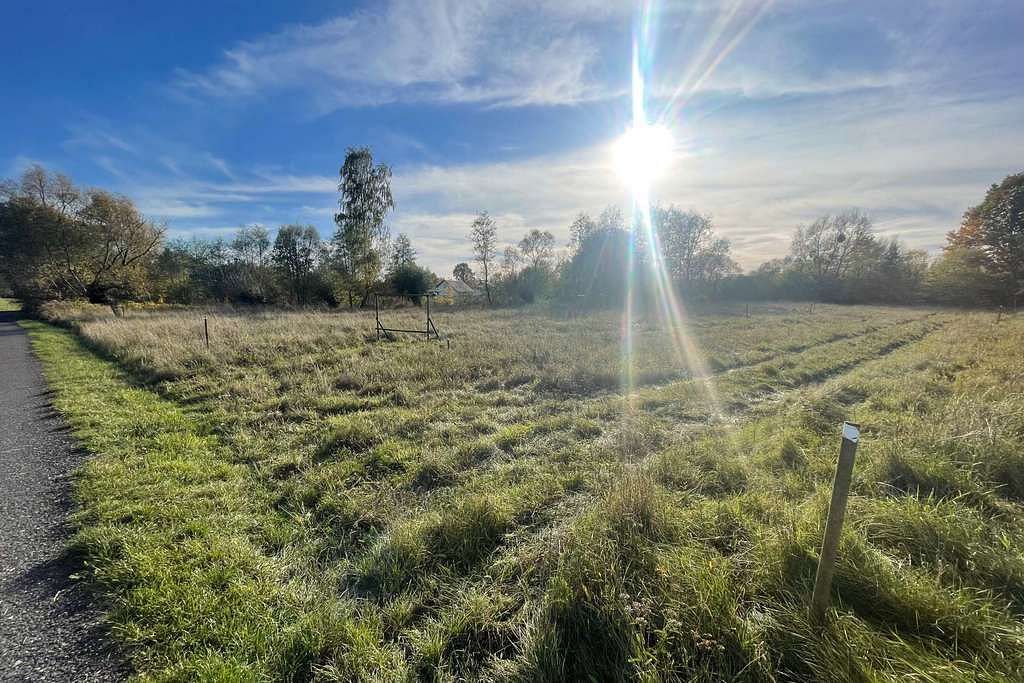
[[834, 524], [206, 333]]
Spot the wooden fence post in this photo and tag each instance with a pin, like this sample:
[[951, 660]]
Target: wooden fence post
[[834, 524]]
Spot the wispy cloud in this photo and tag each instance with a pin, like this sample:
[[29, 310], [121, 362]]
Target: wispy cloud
[[525, 52], [478, 51], [221, 166], [94, 137], [169, 209], [20, 163]]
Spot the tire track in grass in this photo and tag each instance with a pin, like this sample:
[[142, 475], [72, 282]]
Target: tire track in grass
[[794, 373], [560, 387], [546, 518], [745, 400], [534, 546], [882, 353]]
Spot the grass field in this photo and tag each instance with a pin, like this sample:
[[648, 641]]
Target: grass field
[[302, 501]]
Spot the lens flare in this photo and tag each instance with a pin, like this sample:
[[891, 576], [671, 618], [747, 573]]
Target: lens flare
[[643, 154]]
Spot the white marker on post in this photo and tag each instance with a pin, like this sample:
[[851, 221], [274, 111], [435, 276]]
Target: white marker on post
[[851, 432]]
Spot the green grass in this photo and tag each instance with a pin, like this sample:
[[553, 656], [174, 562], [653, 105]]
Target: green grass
[[300, 501], [9, 305]]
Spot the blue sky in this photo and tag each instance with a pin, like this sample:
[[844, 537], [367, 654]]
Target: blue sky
[[217, 114]]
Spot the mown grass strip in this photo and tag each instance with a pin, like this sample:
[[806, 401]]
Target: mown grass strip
[[164, 526]]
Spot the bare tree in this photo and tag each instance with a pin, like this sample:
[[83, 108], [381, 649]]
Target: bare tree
[[483, 235], [830, 246], [252, 245], [581, 227], [511, 259], [683, 236]]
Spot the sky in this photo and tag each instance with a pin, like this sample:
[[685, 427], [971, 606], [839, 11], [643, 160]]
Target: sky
[[214, 115]]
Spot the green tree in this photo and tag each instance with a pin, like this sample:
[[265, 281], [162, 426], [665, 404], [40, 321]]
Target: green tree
[[960, 277], [998, 233], [898, 274], [464, 273], [410, 280], [362, 235], [177, 271], [597, 271], [295, 256], [402, 253], [60, 241], [483, 235]]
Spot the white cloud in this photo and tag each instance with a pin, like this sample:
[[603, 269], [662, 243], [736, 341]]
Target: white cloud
[[529, 52], [482, 51], [914, 174], [95, 138], [163, 210]]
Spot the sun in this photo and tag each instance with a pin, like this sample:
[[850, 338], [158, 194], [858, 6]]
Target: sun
[[642, 155]]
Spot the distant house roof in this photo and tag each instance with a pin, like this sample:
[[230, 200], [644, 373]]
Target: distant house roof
[[457, 286]]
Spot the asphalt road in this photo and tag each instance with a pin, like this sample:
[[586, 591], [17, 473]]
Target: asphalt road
[[50, 630]]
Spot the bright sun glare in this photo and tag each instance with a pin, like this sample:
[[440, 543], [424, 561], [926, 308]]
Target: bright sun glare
[[642, 154]]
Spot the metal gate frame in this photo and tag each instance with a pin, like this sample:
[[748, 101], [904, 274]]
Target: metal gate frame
[[429, 330]]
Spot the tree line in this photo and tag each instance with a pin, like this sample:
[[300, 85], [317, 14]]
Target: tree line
[[601, 254], [65, 242], [840, 258]]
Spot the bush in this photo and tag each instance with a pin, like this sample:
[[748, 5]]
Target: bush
[[410, 280]]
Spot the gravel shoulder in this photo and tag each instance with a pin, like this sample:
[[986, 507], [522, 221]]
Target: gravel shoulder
[[50, 628]]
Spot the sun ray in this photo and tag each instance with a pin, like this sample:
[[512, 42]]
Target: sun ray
[[710, 55], [644, 152]]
